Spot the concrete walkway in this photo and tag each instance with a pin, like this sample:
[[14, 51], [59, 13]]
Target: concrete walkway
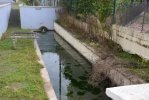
[[131, 92]]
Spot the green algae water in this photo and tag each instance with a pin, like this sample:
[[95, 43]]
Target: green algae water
[[68, 70]]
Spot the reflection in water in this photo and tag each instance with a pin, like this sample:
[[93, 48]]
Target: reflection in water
[[69, 72]]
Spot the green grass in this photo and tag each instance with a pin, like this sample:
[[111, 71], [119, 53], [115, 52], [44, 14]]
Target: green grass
[[136, 65], [20, 77]]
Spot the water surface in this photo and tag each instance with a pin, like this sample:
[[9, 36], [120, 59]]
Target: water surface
[[68, 70]]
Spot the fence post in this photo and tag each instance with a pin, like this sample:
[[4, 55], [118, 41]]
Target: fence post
[[114, 8], [146, 8]]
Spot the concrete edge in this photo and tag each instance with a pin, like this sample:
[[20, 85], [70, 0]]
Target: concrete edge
[[112, 95], [44, 74], [115, 75], [130, 92], [5, 4], [84, 50]]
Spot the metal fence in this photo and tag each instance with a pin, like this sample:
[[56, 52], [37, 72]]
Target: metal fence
[[133, 15], [53, 3]]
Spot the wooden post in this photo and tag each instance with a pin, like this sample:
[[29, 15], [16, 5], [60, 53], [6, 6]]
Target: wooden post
[[14, 43]]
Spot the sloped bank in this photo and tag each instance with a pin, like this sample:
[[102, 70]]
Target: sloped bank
[[119, 76]]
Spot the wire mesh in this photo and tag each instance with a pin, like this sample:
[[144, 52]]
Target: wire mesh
[[133, 15]]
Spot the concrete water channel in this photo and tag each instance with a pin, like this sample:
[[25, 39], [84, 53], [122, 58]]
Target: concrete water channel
[[68, 70]]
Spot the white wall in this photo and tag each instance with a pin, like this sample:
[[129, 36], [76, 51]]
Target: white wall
[[130, 92], [36, 17], [132, 41], [6, 1], [4, 17]]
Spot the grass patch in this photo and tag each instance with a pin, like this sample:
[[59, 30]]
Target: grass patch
[[136, 65], [20, 77]]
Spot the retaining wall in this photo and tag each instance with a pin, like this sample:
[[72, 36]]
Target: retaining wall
[[131, 92], [120, 76], [4, 17], [132, 41]]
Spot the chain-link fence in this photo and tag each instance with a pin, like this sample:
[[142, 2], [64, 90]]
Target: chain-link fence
[[53, 3], [133, 15]]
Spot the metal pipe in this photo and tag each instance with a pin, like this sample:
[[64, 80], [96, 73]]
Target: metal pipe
[[60, 80]]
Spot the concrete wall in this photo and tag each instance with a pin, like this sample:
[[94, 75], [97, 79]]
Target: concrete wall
[[131, 92], [4, 17], [35, 17], [132, 41], [119, 76], [7, 1], [80, 47], [129, 39]]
